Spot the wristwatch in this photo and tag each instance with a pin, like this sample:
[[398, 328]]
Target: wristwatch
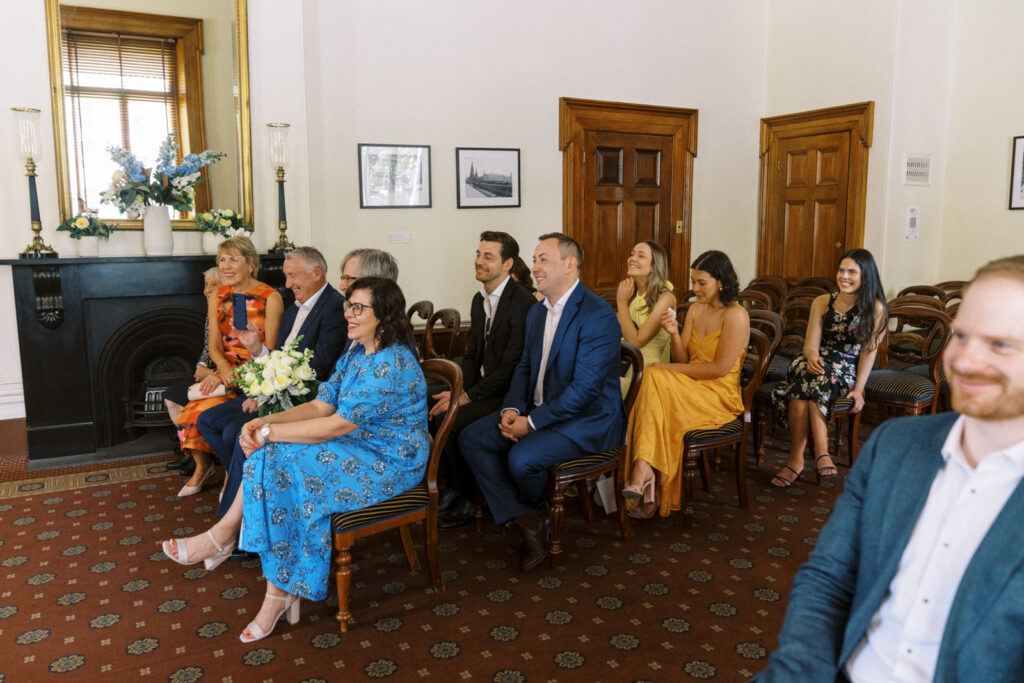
[[265, 433]]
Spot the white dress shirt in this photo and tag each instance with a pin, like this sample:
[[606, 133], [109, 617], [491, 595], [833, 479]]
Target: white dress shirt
[[902, 641], [490, 308], [550, 326], [300, 317]]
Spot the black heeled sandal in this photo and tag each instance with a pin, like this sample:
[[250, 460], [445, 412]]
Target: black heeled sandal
[[825, 472]]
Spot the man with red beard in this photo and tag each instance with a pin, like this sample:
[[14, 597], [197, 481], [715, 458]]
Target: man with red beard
[[919, 574]]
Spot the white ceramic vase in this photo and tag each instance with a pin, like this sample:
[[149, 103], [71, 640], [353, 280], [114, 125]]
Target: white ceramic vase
[[89, 246], [156, 229], [211, 241]]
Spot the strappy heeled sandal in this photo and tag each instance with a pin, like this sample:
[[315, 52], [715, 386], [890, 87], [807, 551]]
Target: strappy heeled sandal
[[780, 482], [253, 632], [825, 472]]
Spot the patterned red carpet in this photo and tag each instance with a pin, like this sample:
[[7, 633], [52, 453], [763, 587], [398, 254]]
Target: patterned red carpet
[[86, 591]]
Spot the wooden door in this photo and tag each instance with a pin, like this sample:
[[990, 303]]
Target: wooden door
[[813, 190], [627, 198], [627, 176]]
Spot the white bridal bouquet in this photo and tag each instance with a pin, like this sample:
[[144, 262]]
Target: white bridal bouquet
[[280, 380]]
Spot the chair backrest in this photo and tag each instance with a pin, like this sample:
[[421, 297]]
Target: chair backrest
[[631, 358], [438, 371], [777, 280], [451, 321], [826, 283], [950, 286], [916, 335], [752, 299], [424, 309], [804, 291], [770, 323], [681, 310], [759, 348], [924, 290], [922, 300], [775, 291]]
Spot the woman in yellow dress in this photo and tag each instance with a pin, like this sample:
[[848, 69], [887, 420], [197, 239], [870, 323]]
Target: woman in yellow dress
[[700, 389], [643, 297]]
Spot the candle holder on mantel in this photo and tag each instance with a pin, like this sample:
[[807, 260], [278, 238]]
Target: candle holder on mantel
[[27, 120], [278, 135]]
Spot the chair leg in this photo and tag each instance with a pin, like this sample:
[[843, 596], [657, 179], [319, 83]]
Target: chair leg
[[343, 578], [556, 515], [841, 422], [760, 427], [478, 510], [705, 473], [854, 438], [410, 549], [586, 504], [689, 474], [433, 553], [741, 472]]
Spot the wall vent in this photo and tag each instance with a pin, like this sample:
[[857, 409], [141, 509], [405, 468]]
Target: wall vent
[[917, 170]]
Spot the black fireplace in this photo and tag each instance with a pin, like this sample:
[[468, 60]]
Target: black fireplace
[[100, 337]]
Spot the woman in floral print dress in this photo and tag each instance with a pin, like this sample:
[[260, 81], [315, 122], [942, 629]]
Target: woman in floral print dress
[[838, 353], [363, 440]]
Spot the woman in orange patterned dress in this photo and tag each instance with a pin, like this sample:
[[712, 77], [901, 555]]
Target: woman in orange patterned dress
[[700, 389], [238, 262]]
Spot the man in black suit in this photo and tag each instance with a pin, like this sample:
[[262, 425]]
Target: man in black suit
[[317, 320], [497, 322]]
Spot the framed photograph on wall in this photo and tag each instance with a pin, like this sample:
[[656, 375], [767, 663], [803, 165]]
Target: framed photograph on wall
[[394, 176], [486, 178], [1017, 174]]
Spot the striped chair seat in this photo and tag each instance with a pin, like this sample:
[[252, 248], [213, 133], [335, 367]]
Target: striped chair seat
[[412, 499], [585, 462], [898, 385], [699, 436]]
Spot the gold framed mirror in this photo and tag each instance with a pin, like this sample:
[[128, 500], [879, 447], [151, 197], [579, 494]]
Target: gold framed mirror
[[219, 121]]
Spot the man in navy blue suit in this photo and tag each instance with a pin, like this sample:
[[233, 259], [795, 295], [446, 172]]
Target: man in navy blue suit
[[564, 398], [316, 320]]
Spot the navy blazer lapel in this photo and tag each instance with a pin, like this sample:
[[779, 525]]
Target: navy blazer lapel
[[503, 306], [572, 307], [285, 327], [314, 314]]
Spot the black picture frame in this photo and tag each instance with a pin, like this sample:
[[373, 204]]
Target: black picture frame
[[1017, 174], [487, 178], [394, 176]]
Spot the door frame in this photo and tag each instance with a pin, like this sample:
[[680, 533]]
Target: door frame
[[578, 115], [858, 120]]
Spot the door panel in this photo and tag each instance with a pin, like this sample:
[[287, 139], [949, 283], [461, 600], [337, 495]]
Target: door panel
[[623, 201], [813, 189]]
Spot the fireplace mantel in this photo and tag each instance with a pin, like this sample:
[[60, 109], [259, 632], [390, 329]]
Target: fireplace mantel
[[67, 309]]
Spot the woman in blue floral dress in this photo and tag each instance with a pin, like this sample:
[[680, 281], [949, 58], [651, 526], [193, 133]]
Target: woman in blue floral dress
[[838, 353], [363, 440]]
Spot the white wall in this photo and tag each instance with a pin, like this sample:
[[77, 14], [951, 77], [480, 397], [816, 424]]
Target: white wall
[[987, 111], [473, 74]]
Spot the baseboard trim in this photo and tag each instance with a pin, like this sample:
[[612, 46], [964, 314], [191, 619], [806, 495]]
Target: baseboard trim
[[14, 438]]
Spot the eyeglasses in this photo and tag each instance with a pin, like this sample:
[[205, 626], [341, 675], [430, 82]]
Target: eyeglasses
[[348, 278], [356, 308]]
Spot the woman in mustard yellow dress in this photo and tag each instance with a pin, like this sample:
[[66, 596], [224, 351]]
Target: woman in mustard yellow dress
[[700, 389], [642, 298]]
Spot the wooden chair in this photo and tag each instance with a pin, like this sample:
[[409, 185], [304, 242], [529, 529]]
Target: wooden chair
[[752, 299], [924, 290], [451, 321], [776, 280], [769, 322], [775, 291], [826, 283], [803, 292], [952, 286], [419, 503], [579, 470], [923, 300], [424, 309], [794, 314], [917, 351], [735, 433]]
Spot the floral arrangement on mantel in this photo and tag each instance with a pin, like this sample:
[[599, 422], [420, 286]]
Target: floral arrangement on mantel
[[280, 380], [223, 223], [86, 225], [134, 187]]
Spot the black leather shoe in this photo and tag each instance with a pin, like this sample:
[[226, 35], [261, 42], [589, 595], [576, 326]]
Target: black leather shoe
[[535, 540], [447, 498], [188, 469], [459, 515], [179, 463], [243, 555]]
